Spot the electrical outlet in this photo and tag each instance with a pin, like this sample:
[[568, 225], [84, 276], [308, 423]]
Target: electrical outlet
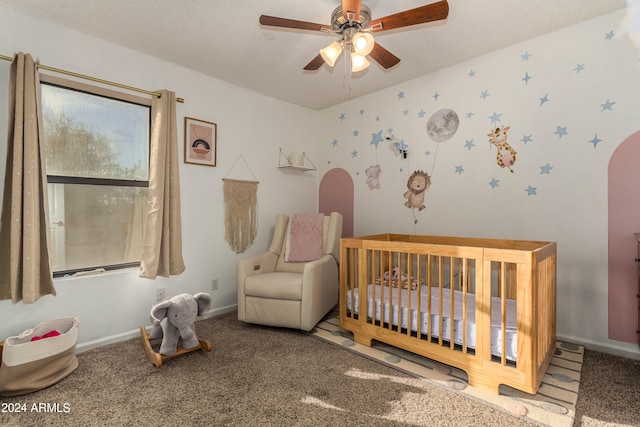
[[214, 284], [159, 294]]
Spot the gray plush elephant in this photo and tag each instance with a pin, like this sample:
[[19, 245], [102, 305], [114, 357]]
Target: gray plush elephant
[[174, 321]]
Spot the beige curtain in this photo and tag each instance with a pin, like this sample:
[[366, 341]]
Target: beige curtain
[[162, 240], [25, 270]]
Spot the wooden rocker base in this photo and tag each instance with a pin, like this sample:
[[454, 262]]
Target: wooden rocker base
[[157, 358]]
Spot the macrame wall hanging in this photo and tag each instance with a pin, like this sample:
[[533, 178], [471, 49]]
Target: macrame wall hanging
[[240, 210]]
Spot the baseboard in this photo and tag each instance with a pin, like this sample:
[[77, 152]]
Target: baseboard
[[219, 311], [628, 351], [112, 339]]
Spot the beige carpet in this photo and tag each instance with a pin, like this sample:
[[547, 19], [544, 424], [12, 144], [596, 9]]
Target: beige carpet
[[262, 376], [553, 405], [254, 376]]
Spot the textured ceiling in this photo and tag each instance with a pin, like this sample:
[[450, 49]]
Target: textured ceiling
[[239, 50]]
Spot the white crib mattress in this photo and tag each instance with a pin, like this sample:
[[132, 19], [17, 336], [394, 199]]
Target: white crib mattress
[[434, 325]]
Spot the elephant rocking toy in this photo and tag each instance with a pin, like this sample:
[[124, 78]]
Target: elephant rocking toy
[[174, 323]]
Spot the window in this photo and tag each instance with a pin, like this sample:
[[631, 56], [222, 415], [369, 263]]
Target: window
[[96, 145]]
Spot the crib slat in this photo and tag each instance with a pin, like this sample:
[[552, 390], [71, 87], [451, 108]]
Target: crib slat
[[463, 275], [429, 288], [440, 311], [419, 296], [389, 289], [361, 271], [451, 304], [503, 313], [398, 289], [410, 274]]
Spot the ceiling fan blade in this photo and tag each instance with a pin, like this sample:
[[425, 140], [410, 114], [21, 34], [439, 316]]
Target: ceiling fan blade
[[383, 57], [427, 13], [315, 63], [351, 7], [274, 21]]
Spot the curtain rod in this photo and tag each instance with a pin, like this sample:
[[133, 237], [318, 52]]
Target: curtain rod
[[93, 79]]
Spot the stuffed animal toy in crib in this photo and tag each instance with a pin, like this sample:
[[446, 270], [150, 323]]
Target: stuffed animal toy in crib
[[397, 279], [174, 321]]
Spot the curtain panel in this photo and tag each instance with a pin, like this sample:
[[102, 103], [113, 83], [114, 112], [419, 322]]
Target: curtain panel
[[25, 269], [162, 239]]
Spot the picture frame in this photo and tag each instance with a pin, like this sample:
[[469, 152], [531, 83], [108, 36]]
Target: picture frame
[[200, 142]]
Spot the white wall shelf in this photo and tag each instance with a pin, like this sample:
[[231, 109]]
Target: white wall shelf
[[304, 164]]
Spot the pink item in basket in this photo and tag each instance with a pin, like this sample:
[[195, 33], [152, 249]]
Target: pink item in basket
[[49, 334]]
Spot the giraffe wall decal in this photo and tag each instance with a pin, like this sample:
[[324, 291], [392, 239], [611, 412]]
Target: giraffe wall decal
[[506, 156]]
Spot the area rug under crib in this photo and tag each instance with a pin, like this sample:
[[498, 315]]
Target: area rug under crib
[[553, 405]]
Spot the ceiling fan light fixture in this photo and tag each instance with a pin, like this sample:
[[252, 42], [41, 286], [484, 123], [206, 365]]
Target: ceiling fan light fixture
[[362, 43], [331, 53], [358, 62]]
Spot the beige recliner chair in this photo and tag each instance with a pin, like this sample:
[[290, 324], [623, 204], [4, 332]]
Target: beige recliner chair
[[274, 292]]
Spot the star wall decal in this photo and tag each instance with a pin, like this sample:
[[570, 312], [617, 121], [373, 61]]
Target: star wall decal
[[609, 35], [484, 94], [459, 169], [595, 141], [354, 154], [579, 67], [525, 56], [436, 96], [469, 114], [334, 142], [400, 95], [526, 78], [546, 169], [544, 99], [421, 114], [356, 133], [526, 138], [561, 131], [405, 112], [376, 138], [494, 183], [362, 112], [495, 117], [342, 116], [531, 191], [607, 105], [469, 144], [471, 74]]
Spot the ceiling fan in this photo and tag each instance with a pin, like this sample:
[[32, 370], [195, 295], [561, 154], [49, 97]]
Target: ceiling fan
[[352, 23]]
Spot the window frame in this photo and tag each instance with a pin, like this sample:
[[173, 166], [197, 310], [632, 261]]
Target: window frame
[[91, 89]]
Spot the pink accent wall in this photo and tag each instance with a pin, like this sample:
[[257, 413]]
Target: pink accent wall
[[624, 222], [336, 194]]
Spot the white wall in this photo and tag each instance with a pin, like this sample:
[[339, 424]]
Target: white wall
[[114, 305], [570, 204]]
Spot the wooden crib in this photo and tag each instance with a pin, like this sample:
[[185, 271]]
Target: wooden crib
[[486, 306]]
